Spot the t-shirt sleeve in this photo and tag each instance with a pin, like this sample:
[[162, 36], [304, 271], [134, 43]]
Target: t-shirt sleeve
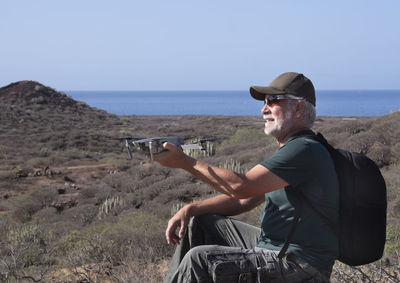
[[293, 162]]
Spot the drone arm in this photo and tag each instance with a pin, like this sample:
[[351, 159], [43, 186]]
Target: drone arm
[[151, 151], [129, 148]]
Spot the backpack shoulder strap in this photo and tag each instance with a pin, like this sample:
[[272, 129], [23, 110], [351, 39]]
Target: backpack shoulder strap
[[320, 138], [332, 151]]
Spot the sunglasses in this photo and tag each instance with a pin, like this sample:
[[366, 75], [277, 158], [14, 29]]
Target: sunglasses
[[274, 99]]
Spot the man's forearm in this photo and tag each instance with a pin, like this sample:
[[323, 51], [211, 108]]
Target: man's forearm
[[224, 205], [257, 181], [224, 181]]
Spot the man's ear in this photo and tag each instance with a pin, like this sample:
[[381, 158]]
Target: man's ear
[[300, 108]]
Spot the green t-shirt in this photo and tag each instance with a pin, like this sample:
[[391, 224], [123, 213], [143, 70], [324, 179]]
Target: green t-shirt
[[307, 166]]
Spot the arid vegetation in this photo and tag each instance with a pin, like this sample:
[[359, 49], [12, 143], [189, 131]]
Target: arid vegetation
[[74, 208]]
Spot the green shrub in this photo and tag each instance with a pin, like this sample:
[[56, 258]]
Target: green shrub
[[19, 172], [245, 136]]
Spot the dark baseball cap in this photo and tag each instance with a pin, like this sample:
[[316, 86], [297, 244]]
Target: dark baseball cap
[[287, 83]]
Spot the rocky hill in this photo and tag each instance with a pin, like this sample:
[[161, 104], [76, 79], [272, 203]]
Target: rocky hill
[[31, 92], [37, 121], [26, 102]]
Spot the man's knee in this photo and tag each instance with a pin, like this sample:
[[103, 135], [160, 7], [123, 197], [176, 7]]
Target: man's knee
[[198, 253], [195, 265], [220, 264]]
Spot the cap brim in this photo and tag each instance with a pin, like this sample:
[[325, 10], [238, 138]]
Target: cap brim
[[259, 92]]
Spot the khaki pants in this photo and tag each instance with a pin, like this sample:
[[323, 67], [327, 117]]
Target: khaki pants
[[220, 249]]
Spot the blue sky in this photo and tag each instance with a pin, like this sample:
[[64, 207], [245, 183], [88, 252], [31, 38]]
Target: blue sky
[[199, 45]]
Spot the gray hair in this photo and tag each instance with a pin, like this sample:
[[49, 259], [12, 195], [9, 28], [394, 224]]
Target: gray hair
[[309, 114]]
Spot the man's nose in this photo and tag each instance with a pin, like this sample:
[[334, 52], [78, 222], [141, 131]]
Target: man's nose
[[264, 109]]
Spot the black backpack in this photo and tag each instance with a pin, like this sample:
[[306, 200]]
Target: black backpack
[[361, 230]]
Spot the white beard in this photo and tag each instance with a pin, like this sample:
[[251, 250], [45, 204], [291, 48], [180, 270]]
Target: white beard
[[279, 127]]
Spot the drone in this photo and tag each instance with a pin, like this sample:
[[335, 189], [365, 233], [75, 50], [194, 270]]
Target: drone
[[152, 146]]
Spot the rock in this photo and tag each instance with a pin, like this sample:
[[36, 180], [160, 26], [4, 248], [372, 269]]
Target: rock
[[68, 179], [48, 172], [65, 201]]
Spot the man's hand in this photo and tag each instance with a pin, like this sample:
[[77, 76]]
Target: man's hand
[[180, 219], [172, 156]]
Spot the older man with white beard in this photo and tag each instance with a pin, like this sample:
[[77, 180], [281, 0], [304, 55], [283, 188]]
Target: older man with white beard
[[215, 248]]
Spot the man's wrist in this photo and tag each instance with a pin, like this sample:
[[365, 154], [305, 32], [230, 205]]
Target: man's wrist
[[191, 210]]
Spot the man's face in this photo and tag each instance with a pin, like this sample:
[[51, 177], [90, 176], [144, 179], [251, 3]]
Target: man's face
[[278, 117]]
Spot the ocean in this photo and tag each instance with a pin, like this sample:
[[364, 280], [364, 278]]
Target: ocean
[[234, 103]]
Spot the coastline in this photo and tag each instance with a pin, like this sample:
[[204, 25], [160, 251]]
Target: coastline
[[358, 103]]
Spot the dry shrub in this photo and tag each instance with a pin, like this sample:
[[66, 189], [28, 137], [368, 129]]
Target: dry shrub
[[142, 272], [396, 208], [81, 215], [27, 252], [381, 154], [374, 272], [392, 180], [162, 203], [171, 183], [103, 191], [131, 239], [121, 164], [39, 162], [361, 142], [44, 196], [384, 270], [6, 175], [120, 182], [88, 192], [24, 210], [354, 127], [395, 152], [47, 215]]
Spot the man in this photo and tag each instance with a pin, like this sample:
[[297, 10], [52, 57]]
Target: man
[[215, 248]]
